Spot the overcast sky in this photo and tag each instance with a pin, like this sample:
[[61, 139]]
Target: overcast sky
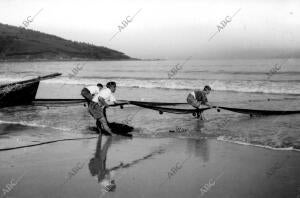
[[169, 29]]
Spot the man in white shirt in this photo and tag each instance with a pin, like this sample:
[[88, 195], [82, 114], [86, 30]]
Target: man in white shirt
[[90, 91], [105, 96], [98, 104]]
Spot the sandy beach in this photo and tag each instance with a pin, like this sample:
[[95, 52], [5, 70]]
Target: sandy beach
[[158, 167], [149, 99]]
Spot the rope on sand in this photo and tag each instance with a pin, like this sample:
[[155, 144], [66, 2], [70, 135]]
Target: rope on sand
[[48, 142]]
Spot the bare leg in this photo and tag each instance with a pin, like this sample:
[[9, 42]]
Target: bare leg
[[196, 104], [105, 125]]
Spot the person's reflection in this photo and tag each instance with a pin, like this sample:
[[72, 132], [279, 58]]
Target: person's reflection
[[97, 164], [199, 147], [199, 126]]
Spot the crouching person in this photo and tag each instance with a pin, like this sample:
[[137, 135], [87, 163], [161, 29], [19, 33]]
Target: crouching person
[[197, 98], [89, 92], [99, 103]]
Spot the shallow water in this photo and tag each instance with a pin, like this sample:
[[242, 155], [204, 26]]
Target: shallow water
[[23, 125], [39, 122]]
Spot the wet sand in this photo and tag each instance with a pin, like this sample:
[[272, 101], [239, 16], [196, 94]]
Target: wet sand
[[149, 167]]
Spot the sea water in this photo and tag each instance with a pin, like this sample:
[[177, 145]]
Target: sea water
[[236, 83]]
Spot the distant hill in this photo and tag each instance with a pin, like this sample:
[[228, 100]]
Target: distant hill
[[18, 43]]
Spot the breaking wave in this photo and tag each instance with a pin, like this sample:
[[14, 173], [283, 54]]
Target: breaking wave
[[251, 86], [272, 87]]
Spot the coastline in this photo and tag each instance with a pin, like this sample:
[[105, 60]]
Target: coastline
[[65, 60]]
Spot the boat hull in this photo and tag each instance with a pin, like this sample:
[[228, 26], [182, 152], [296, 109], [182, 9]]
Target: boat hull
[[18, 94], [22, 92]]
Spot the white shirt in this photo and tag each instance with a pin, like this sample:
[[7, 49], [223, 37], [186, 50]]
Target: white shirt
[[193, 94], [93, 89], [106, 94]]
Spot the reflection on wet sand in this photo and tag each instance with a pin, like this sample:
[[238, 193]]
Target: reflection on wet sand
[[199, 147], [97, 165], [199, 126]]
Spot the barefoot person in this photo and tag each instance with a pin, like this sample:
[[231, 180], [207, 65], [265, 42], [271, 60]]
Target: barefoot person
[[198, 98], [101, 101], [90, 91]]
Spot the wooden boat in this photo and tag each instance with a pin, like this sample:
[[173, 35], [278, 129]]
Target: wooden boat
[[22, 92]]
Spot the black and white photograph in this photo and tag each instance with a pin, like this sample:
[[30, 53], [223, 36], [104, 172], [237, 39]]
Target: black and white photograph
[[149, 98]]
